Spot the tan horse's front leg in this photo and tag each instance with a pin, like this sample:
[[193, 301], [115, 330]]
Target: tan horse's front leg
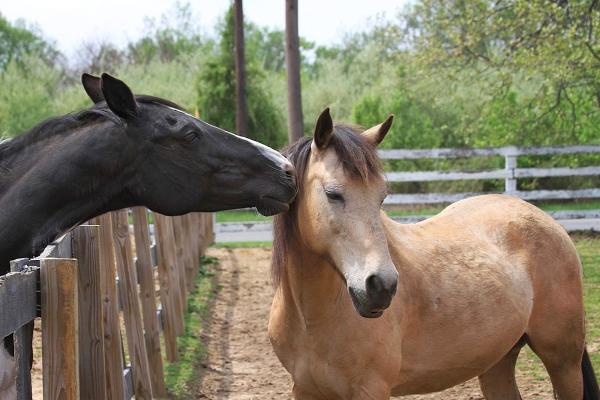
[[376, 394], [366, 392], [498, 383], [300, 394], [374, 388]]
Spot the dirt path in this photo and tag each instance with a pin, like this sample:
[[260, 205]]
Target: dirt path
[[241, 364]]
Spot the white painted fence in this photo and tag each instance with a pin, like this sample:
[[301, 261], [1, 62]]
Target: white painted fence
[[572, 221], [511, 173]]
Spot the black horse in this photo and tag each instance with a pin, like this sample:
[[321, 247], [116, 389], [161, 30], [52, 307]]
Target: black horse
[[127, 151]]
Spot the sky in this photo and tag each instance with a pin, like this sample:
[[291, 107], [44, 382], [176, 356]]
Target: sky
[[71, 22]]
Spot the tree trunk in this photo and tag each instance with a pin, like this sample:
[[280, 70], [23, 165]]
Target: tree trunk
[[292, 60], [241, 109]]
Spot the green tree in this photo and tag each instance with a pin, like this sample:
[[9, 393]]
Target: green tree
[[175, 35], [27, 94], [216, 91], [548, 47], [17, 41]]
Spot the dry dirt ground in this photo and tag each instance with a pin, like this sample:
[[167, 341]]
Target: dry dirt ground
[[241, 364]]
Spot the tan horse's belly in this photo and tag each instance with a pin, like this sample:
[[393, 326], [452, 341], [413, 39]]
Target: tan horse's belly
[[463, 324], [446, 359]]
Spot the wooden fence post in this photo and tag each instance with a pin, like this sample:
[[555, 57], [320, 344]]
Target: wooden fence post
[[168, 295], [86, 248], [146, 280], [59, 328], [194, 239], [191, 262], [131, 306], [23, 339], [113, 357], [169, 243], [180, 260], [510, 183]]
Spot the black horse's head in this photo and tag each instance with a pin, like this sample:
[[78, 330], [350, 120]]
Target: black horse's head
[[181, 164]]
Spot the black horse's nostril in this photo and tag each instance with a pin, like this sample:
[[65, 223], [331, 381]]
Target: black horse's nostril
[[289, 170]]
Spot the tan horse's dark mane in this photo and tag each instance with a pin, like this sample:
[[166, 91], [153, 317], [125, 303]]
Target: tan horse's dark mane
[[358, 159]]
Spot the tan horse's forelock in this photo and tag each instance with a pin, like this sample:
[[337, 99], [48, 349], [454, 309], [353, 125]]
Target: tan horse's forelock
[[359, 160]]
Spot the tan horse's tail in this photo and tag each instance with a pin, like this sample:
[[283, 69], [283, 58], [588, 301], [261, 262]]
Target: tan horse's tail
[[590, 384]]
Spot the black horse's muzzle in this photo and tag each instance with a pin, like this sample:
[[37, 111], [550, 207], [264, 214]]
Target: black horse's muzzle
[[282, 194]]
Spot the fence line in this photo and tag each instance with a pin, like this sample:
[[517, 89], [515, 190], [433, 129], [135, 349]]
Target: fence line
[[80, 308], [511, 173], [507, 151]]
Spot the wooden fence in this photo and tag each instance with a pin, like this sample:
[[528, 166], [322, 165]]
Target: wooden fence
[[510, 174], [89, 284]]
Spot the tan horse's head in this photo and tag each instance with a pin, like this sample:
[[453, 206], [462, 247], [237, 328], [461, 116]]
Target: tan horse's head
[[336, 213]]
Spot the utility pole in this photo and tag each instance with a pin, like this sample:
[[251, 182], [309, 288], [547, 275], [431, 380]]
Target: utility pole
[[292, 61], [241, 108]]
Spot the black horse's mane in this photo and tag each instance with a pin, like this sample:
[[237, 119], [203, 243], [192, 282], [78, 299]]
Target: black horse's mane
[[55, 126]]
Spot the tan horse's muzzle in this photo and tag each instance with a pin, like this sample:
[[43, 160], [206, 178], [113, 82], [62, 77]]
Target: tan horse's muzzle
[[379, 289]]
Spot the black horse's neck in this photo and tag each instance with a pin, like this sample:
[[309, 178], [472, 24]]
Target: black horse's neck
[[60, 174]]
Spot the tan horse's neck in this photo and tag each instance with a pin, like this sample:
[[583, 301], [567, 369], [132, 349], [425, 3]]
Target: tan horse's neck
[[311, 283]]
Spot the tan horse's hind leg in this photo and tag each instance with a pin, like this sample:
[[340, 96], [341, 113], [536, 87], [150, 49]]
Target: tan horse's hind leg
[[564, 368], [560, 343], [498, 383], [556, 333]]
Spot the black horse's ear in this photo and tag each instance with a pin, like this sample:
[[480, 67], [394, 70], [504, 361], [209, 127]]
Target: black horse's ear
[[118, 96], [91, 84], [375, 134], [323, 130]]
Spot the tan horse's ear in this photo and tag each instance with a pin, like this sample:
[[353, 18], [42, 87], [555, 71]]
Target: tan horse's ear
[[323, 130], [376, 134]]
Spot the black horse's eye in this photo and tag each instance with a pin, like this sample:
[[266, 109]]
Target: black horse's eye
[[334, 196], [190, 136]]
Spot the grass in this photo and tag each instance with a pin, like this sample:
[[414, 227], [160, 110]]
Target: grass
[[588, 247], [241, 216], [234, 245], [180, 376], [579, 206]]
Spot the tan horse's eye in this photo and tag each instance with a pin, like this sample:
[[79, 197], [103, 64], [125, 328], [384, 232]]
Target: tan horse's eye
[[334, 196]]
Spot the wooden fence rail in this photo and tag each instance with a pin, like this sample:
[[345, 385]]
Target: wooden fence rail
[[81, 277], [510, 174]]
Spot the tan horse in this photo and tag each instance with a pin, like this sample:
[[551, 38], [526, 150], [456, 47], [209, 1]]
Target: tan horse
[[474, 284]]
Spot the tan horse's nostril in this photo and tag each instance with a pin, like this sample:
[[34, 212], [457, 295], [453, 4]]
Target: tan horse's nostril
[[376, 286]]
